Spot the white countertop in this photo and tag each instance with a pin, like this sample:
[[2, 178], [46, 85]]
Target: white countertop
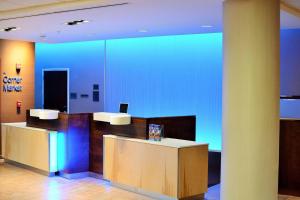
[[289, 118], [44, 114], [23, 125], [169, 142]]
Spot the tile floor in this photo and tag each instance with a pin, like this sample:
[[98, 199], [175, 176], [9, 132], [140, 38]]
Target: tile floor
[[20, 184], [214, 194]]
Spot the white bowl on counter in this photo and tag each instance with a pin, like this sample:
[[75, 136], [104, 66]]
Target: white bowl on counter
[[113, 118], [44, 114]]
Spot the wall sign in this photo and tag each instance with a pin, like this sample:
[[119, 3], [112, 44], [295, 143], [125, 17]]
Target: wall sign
[[12, 84]]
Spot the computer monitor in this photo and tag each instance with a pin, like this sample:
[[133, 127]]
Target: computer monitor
[[123, 107]]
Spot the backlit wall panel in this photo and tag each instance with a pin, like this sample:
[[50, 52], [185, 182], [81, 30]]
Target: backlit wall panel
[[171, 75], [85, 61], [168, 76], [290, 62]]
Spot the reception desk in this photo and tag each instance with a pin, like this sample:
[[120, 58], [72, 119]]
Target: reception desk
[[171, 168], [30, 147], [179, 127]]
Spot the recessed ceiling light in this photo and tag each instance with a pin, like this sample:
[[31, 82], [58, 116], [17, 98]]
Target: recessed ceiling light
[[206, 26], [143, 31], [8, 29], [43, 37], [76, 22]]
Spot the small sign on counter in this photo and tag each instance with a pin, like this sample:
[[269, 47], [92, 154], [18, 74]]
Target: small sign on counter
[[155, 132]]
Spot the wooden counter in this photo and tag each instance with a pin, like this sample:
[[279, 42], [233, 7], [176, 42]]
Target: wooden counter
[[179, 127], [173, 168], [30, 147]]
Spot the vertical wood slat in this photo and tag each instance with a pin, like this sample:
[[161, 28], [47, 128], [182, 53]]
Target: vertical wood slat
[[171, 171]]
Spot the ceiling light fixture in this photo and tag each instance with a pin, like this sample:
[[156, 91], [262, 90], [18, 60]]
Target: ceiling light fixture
[[43, 37], [9, 29], [206, 26], [76, 22], [143, 31]]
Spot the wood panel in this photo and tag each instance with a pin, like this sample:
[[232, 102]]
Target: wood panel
[[77, 143], [179, 127], [141, 166], [193, 171], [26, 146], [289, 159], [96, 146], [175, 172]]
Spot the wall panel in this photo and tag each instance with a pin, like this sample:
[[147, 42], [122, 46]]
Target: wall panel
[[165, 76], [85, 61], [11, 53], [290, 62]]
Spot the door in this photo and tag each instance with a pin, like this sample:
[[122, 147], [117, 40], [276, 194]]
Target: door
[[56, 90]]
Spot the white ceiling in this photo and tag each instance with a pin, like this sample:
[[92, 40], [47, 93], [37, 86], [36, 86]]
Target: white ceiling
[[158, 17]]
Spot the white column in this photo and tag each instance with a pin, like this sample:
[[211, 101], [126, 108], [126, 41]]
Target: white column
[[250, 100]]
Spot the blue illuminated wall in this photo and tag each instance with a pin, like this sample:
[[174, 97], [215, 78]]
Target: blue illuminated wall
[[290, 62], [168, 76], [159, 76], [85, 61], [290, 72]]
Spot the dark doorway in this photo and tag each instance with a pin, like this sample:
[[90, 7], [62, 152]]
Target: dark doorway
[[56, 90]]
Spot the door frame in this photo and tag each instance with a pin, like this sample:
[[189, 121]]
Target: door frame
[[68, 84]]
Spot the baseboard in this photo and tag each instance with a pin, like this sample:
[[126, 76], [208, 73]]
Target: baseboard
[[74, 175], [51, 174], [142, 192], [95, 175], [214, 170], [30, 168]]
